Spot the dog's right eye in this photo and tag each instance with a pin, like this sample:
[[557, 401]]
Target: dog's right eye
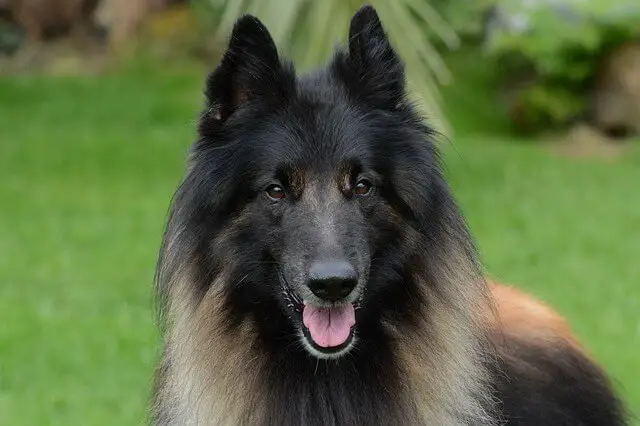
[[363, 188], [275, 192]]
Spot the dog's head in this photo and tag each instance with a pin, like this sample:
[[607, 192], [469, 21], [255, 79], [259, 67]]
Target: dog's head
[[315, 190]]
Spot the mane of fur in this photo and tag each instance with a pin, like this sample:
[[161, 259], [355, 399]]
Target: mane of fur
[[214, 373]]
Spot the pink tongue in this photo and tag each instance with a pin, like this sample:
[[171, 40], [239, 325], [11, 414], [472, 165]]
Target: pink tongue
[[329, 326]]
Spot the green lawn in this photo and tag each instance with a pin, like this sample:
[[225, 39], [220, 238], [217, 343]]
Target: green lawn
[[88, 167]]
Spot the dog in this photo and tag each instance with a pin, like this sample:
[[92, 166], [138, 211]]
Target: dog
[[316, 269]]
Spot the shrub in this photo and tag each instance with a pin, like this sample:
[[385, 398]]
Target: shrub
[[550, 52]]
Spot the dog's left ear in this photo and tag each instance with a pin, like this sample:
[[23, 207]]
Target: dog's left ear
[[372, 69], [250, 70]]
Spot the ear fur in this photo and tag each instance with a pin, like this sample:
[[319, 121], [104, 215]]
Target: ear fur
[[250, 70], [371, 70]]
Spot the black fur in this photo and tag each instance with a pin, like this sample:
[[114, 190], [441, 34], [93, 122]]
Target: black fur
[[263, 124], [553, 385]]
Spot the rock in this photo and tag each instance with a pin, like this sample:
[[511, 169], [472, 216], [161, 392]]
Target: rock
[[123, 19], [585, 141], [43, 19], [615, 104]]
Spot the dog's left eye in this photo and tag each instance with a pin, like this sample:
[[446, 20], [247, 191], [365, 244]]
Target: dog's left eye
[[362, 188], [275, 192]]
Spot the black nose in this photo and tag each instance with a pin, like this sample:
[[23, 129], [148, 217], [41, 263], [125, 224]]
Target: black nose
[[332, 280]]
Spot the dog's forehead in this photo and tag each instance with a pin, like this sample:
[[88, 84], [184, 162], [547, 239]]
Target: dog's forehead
[[320, 133], [320, 86], [313, 134], [306, 174]]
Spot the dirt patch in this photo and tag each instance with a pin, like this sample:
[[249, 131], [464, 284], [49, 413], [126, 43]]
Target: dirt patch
[[61, 57], [584, 141]]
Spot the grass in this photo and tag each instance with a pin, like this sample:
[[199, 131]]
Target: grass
[[88, 169]]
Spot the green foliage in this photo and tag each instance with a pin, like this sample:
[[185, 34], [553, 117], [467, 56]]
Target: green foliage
[[546, 103], [308, 30], [466, 17], [561, 46]]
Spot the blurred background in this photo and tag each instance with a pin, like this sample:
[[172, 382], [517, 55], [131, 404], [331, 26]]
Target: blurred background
[[538, 103]]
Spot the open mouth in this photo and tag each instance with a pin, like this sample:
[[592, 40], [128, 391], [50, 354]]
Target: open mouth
[[328, 330]]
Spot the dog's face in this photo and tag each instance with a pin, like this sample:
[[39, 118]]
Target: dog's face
[[318, 177], [318, 210]]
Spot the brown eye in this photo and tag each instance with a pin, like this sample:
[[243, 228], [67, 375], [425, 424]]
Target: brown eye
[[275, 192], [362, 188]]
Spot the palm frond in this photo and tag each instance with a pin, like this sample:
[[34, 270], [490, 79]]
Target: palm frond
[[308, 30]]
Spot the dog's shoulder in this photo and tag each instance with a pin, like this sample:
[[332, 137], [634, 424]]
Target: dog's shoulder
[[517, 313], [542, 370]]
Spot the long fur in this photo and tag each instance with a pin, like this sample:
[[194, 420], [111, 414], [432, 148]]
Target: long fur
[[213, 376], [432, 345]]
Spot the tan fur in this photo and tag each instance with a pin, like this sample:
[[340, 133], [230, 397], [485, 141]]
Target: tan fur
[[206, 380], [522, 316], [443, 357], [213, 376], [210, 381]]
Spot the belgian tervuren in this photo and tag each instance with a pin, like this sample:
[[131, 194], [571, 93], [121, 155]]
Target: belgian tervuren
[[316, 269]]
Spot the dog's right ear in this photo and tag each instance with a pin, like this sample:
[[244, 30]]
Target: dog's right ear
[[250, 70]]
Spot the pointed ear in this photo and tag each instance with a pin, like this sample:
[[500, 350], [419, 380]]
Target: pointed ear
[[372, 70], [250, 70]]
